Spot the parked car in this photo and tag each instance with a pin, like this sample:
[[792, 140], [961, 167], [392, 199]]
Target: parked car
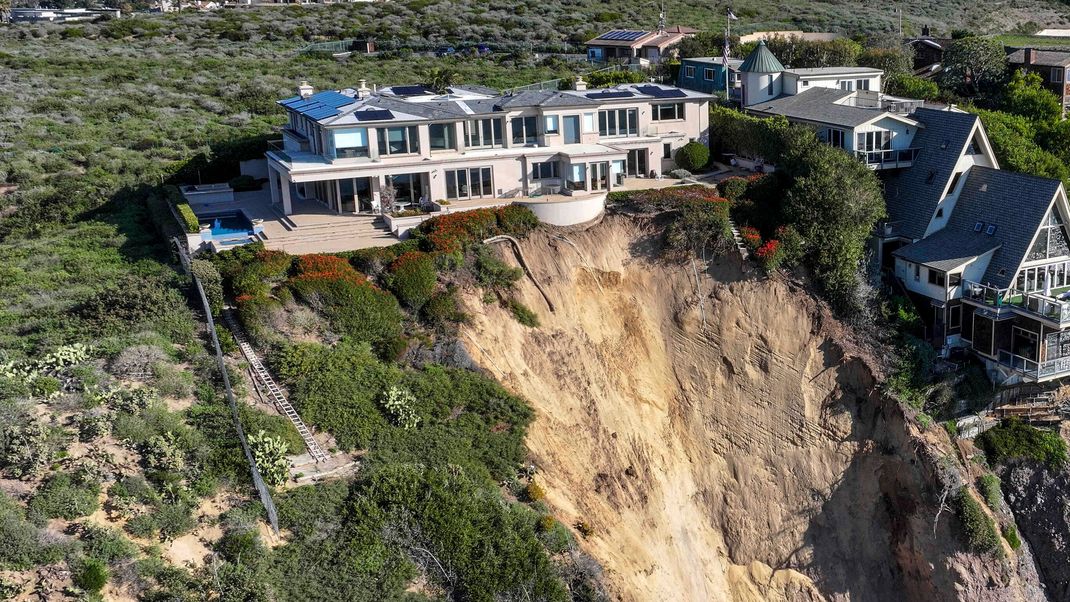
[[445, 51]]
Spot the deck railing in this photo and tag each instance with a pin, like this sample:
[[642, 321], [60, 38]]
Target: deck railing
[[888, 159], [983, 293], [1034, 303]]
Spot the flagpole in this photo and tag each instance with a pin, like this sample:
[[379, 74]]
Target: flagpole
[[729, 19]]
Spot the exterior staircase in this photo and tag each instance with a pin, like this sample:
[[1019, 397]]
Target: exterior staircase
[[273, 391], [327, 234]]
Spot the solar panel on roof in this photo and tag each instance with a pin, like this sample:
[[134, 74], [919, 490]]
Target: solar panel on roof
[[409, 90], [609, 94], [318, 106], [373, 115], [657, 92], [622, 35]]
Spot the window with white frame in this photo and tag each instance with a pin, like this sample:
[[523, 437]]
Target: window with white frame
[[552, 124], [402, 140], [350, 143], [547, 170], [483, 133], [689, 71], [525, 130], [469, 183], [443, 136], [1057, 75], [874, 141], [708, 74], [588, 122], [668, 112], [618, 122], [862, 84]]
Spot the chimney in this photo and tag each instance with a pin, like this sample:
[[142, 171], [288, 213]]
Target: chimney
[[363, 91], [580, 85], [1030, 56], [305, 89], [925, 32]]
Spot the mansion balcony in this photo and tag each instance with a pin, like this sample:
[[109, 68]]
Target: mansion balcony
[[1033, 370], [888, 159]]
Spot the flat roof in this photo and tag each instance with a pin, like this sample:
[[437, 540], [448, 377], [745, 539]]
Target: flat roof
[[818, 71]]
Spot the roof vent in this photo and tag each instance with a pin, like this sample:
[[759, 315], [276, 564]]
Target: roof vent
[[945, 144], [305, 89], [984, 187], [1003, 272]]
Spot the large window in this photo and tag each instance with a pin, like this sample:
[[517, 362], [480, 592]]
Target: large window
[[552, 124], [618, 122], [544, 171], [443, 136], [836, 138], [525, 130], [398, 141], [483, 133], [1051, 239], [874, 141], [469, 183], [936, 278], [351, 142], [863, 84], [668, 112]]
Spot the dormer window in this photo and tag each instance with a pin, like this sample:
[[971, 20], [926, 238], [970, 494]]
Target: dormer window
[[990, 230]]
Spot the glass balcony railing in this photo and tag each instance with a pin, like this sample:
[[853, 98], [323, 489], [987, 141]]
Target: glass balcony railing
[[1033, 303], [888, 159]]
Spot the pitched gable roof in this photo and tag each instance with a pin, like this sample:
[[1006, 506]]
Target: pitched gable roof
[[947, 249], [818, 105], [1015, 203], [1044, 58], [912, 194]]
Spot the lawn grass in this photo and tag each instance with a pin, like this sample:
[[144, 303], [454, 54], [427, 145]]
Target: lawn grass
[[1022, 41]]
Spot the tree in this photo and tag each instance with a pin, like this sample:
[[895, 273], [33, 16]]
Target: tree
[[973, 66], [833, 205], [440, 79], [1026, 95], [893, 61], [911, 86]]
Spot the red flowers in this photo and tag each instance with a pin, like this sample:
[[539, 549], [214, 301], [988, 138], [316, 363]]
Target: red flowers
[[322, 268], [769, 249], [751, 237]]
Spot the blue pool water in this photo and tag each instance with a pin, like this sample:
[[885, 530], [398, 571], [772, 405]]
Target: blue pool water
[[229, 225]]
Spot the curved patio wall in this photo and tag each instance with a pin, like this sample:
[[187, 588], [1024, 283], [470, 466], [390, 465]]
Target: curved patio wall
[[569, 212]]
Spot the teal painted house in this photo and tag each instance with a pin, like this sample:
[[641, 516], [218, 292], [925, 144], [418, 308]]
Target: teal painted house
[[708, 75]]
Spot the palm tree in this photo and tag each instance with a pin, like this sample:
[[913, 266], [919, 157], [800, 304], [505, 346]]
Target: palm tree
[[440, 79]]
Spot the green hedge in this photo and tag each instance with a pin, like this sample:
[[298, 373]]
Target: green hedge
[[185, 212]]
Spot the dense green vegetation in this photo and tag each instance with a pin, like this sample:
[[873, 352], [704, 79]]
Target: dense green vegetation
[[1013, 439], [978, 529]]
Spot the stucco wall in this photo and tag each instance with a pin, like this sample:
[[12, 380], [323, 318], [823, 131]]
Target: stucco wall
[[567, 213]]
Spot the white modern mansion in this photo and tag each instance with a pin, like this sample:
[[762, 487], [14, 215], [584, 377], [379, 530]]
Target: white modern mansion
[[344, 148]]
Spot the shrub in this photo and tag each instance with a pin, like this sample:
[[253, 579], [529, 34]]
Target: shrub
[[211, 282], [979, 530], [413, 278], [354, 306], [1010, 533], [534, 492], [92, 576], [270, 455], [752, 239], [106, 544], [171, 381], [770, 254], [733, 188], [522, 313], [584, 528], [456, 232], [989, 486], [21, 544], [443, 309], [244, 183], [516, 220], [62, 497], [400, 406], [791, 246], [680, 174], [1015, 439], [493, 273], [693, 156]]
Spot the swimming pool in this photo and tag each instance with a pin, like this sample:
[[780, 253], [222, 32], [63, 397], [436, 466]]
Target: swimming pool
[[228, 225]]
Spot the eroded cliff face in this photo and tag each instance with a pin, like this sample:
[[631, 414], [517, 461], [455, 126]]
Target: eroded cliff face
[[719, 433], [1037, 496]]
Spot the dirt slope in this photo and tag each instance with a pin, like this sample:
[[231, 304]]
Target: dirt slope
[[745, 459]]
